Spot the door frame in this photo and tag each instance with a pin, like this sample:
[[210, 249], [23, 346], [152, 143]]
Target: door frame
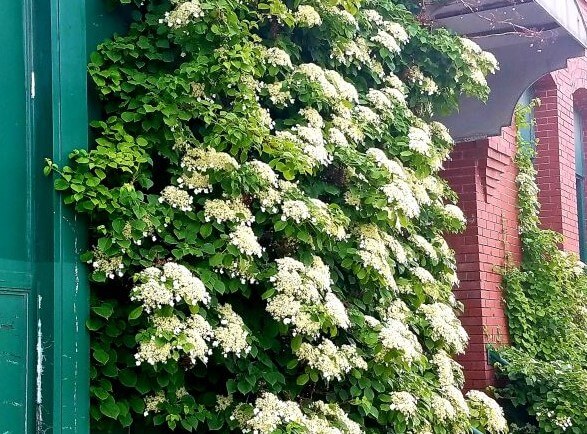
[[60, 124]]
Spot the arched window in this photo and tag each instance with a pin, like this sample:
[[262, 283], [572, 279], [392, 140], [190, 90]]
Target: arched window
[[580, 182]]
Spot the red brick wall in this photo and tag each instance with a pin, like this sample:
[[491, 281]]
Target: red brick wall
[[483, 174], [560, 92]]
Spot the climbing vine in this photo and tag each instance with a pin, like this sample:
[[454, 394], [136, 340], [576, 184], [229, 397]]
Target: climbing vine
[[546, 299], [267, 220]]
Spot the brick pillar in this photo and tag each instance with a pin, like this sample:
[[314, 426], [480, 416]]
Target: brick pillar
[[483, 174], [555, 161]]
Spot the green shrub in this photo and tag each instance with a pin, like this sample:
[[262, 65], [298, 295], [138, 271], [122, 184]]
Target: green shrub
[[547, 315], [267, 220]]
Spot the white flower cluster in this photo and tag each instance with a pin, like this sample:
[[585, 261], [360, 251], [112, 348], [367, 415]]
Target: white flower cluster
[[177, 198], [231, 336], [496, 422], [333, 85], [396, 335], [110, 266], [245, 240], [442, 408], [279, 94], [364, 115], [379, 100], [353, 50], [307, 16], [183, 14], [387, 41], [271, 413], [198, 182], [333, 362], [313, 117], [152, 352], [303, 292], [445, 325], [454, 212], [425, 246], [439, 130], [322, 216], [223, 402], [419, 140], [232, 210], [373, 17], [474, 54], [204, 159], [397, 31], [191, 336], [456, 398], [426, 84], [393, 167], [159, 288], [277, 57], [400, 194], [374, 253], [295, 210], [263, 171], [404, 402], [450, 373], [153, 403]]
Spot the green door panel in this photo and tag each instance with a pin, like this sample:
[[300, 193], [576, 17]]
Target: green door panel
[[15, 338], [17, 310], [14, 176]]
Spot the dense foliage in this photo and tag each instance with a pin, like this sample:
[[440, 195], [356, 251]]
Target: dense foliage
[[546, 299], [267, 220]]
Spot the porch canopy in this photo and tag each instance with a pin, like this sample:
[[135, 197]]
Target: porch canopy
[[530, 38]]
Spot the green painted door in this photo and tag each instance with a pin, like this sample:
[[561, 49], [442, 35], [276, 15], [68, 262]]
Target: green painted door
[[17, 298]]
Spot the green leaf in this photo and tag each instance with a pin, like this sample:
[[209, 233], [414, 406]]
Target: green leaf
[[135, 313], [128, 377], [105, 311], [302, 379], [109, 408]]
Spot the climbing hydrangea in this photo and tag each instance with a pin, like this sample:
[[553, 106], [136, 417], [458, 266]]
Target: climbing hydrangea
[[265, 206]]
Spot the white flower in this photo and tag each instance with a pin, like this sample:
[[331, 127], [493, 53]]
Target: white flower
[[395, 335], [231, 335], [379, 100], [445, 325], [277, 57], [177, 198], [221, 210], [404, 402], [186, 286], [396, 30], [313, 117], [373, 16], [387, 41], [419, 140], [307, 16], [455, 212], [295, 210], [245, 240], [336, 310], [333, 362], [183, 14], [496, 422]]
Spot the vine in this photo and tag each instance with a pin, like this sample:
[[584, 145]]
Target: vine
[[546, 305], [267, 220]]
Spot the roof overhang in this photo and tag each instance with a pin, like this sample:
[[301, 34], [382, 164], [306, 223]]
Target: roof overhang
[[530, 38]]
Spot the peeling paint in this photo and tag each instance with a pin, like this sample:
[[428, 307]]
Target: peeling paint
[[76, 319], [40, 368]]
